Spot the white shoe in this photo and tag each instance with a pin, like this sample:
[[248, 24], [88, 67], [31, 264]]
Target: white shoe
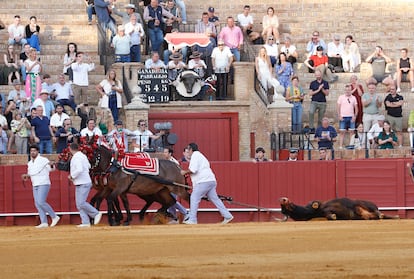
[[55, 221], [189, 222], [227, 220], [97, 218], [412, 89], [184, 22], [42, 226], [398, 90], [84, 226], [173, 222]]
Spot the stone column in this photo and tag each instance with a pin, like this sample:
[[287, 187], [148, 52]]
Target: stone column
[[243, 80]]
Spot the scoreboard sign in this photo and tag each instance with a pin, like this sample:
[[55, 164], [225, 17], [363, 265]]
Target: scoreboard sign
[[154, 85]]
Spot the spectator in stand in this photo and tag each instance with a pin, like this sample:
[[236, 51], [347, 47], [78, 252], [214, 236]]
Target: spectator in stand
[[270, 25], [378, 61], [197, 64], [183, 10], [47, 84], [260, 156], [121, 44], [359, 138], [357, 91], [42, 132], [245, 20], [154, 62], [90, 10], [222, 57], [347, 109], [142, 137], [375, 130], [405, 70], [212, 17], [103, 11], [3, 120], [23, 57], [80, 77], [393, 105], [69, 59], [186, 156], [20, 127], [232, 37], [410, 128], [293, 155], [371, 102], [17, 94], [175, 66], [65, 135], [32, 33], [290, 50], [387, 138], [153, 15], [323, 154], [119, 134], [172, 23], [110, 90], [208, 28], [272, 50], [57, 119], [319, 89], [3, 141], [264, 71], [284, 71], [325, 134], [64, 94], [314, 42], [84, 112], [11, 69], [126, 16], [351, 57], [335, 53], [320, 61], [91, 129], [295, 95], [136, 32], [33, 69], [16, 32], [45, 103]]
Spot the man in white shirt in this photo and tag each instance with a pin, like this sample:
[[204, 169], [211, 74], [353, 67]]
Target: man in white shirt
[[136, 32], [90, 129], [154, 62], [63, 91], [79, 175], [142, 136], [80, 77], [335, 52], [38, 170], [375, 130], [245, 20], [56, 121], [16, 32], [221, 60]]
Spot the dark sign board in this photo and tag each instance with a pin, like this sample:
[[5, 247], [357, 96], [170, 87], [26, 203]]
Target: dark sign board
[[154, 85]]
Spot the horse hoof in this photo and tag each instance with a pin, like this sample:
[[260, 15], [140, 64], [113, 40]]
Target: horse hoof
[[125, 224]]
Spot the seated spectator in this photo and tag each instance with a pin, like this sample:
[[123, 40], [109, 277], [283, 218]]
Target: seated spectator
[[47, 84], [410, 128], [120, 135], [142, 136], [64, 94], [121, 44], [56, 121], [272, 50], [69, 59], [260, 156], [319, 61], [264, 71], [11, 69], [325, 134], [16, 32], [404, 70], [351, 57], [65, 135], [90, 129], [20, 127], [359, 138], [290, 50], [335, 53], [284, 71], [17, 94], [373, 133], [136, 32], [387, 139], [212, 17], [23, 57], [175, 66], [154, 62], [245, 20], [32, 33], [110, 90], [174, 49], [270, 25], [293, 155], [378, 61], [197, 64], [313, 44], [90, 10]]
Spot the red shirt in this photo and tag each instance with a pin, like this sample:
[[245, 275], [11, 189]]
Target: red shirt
[[319, 60]]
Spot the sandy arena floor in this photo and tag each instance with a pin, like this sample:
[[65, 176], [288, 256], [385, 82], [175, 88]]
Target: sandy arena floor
[[318, 249]]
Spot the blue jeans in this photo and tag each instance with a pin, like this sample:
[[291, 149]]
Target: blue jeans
[[167, 54], [135, 53], [113, 106], [45, 146], [89, 11], [236, 53], [156, 37], [23, 70], [86, 210], [122, 58], [297, 111], [67, 102], [40, 193], [34, 42], [111, 26], [181, 5]]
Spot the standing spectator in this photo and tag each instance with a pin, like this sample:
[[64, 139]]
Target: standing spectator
[[91, 129], [153, 15], [64, 94], [33, 69], [16, 32], [69, 59], [45, 102], [136, 32], [357, 91], [57, 119], [314, 42], [335, 53], [260, 156], [80, 77], [121, 44], [320, 61], [245, 20], [90, 10], [295, 95], [347, 109], [290, 50], [23, 57], [359, 138], [387, 138], [11, 69], [3, 140], [172, 23], [284, 70], [375, 130], [264, 71], [154, 62], [65, 135], [32, 33], [371, 102], [42, 132], [325, 134], [212, 17], [270, 25], [319, 89], [110, 90], [351, 57], [103, 13], [378, 61], [79, 175], [222, 58], [204, 184], [183, 10], [209, 29], [405, 70], [38, 169], [20, 127], [142, 137], [232, 37], [17, 94], [126, 16], [3, 120], [393, 105], [272, 50]]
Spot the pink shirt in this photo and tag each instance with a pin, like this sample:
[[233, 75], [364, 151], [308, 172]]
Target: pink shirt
[[346, 105], [232, 37]]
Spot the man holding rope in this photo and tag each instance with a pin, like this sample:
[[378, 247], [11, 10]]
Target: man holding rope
[[204, 184]]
